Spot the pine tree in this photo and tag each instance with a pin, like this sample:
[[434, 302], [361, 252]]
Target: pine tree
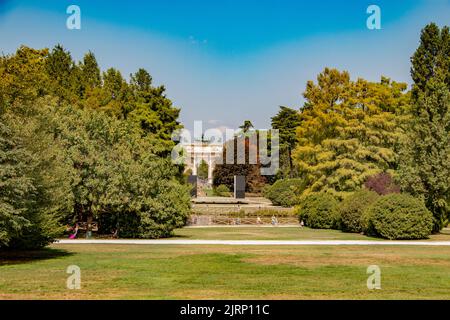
[[63, 74], [90, 72], [153, 111], [425, 169], [286, 121]]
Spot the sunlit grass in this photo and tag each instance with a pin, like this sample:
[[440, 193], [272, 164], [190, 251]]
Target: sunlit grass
[[225, 272]]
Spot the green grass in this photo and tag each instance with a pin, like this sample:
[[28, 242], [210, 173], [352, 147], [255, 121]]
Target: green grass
[[226, 272], [230, 272], [277, 233]]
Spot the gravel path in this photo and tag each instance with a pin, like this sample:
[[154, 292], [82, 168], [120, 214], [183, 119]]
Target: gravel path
[[262, 242]]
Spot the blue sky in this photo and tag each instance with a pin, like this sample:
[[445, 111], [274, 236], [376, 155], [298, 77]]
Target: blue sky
[[225, 61]]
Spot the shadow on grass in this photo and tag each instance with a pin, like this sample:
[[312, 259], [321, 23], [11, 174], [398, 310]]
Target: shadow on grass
[[26, 256]]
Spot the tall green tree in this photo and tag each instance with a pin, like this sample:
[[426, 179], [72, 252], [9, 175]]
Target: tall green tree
[[90, 72], [118, 176], [63, 74], [32, 179], [153, 111], [425, 169], [286, 121], [16, 186], [349, 131]]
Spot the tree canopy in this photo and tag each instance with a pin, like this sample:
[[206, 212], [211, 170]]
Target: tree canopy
[[349, 130], [77, 144]]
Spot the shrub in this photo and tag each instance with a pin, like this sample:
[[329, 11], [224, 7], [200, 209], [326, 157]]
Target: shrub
[[382, 184], [285, 192], [398, 216], [318, 210], [352, 208], [222, 191]]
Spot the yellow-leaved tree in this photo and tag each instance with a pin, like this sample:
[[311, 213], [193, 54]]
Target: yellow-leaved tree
[[349, 131]]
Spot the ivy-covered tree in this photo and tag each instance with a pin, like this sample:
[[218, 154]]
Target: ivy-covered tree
[[425, 169]]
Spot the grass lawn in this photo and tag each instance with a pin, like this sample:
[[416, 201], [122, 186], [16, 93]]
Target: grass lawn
[[278, 233], [225, 272]]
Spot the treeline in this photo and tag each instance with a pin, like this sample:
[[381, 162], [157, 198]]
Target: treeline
[[349, 131], [78, 145]]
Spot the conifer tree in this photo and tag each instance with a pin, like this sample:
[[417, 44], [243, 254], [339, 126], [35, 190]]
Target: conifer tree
[[286, 121], [425, 169], [349, 131]]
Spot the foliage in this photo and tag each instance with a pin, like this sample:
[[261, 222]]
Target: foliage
[[285, 192], [398, 216], [351, 210], [349, 130], [23, 76], [222, 191], [246, 126], [382, 183], [62, 74], [425, 169], [318, 210], [78, 144], [202, 172], [117, 174], [33, 187]]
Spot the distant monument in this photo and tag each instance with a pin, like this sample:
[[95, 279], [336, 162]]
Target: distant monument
[[202, 150]]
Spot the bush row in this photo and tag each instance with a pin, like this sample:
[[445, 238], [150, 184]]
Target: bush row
[[391, 216]]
